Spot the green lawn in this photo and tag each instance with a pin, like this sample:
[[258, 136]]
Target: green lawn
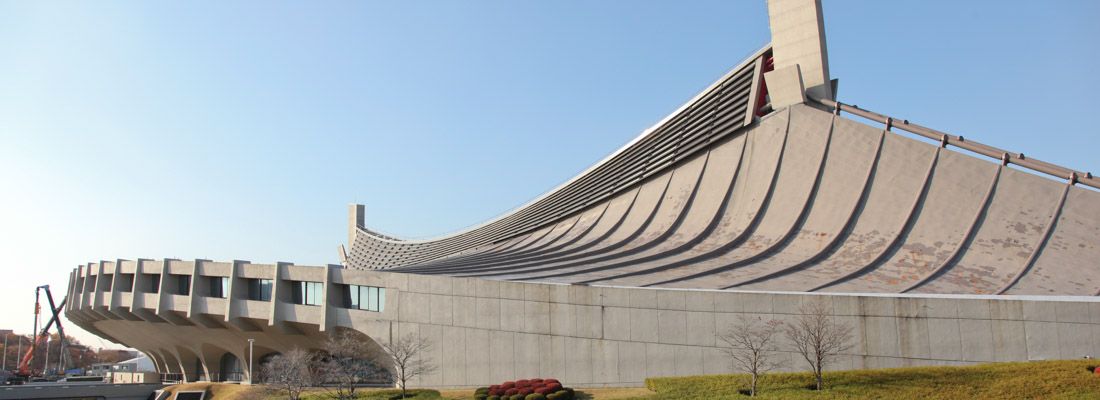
[[1021, 380]]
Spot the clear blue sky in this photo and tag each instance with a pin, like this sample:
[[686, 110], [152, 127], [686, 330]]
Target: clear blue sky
[[241, 130]]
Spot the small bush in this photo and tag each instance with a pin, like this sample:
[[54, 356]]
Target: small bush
[[481, 390], [493, 397], [564, 394], [535, 396]]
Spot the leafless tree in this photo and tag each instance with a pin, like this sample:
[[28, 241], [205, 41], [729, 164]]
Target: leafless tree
[[817, 337], [350, 361], [409, 358], [750, 343], [293, 372]]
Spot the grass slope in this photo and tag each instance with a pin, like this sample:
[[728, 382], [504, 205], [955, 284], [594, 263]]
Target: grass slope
[[1021, 380]]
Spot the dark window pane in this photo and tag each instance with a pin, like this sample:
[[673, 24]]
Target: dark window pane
[[297, 291], [184, 284], [126, 283], [265, 289]]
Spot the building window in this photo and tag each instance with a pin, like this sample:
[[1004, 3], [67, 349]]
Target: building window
[[219, 286], [307, 293], [125, 282], [368, 298], [107, 282], [183, 284], [259, 289], [152, 283]]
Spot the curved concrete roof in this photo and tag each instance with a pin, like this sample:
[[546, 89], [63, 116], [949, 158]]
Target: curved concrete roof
[[720, 110], [800, 200]]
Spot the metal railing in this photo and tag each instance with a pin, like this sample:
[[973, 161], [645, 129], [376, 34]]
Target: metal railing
[[171, 378], [211, 377], [946, 139]]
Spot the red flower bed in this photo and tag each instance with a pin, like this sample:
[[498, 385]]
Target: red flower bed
[[526, 389]]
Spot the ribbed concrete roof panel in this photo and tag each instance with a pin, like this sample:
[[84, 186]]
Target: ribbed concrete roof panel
[[801, 199]]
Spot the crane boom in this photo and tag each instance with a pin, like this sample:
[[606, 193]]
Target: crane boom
[[24, 369]]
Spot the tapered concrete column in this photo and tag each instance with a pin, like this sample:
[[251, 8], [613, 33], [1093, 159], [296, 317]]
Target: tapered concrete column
[[356, 219], [798, 38]]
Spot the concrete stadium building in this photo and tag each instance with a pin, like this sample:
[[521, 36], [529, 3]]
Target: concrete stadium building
[[756, 196]]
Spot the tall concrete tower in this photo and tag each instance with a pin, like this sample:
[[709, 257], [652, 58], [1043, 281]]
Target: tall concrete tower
[[798, 47]]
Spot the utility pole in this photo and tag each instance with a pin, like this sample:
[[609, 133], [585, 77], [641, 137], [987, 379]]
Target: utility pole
[[5, 367], [250, 341], [61, 356], [46, 358]]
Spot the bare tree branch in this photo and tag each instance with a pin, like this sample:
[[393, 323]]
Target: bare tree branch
[[750, 344], [350, 361], [409, 359], [818, 338], [293, 372]]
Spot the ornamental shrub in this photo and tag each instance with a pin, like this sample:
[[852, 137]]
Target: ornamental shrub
[[564, 394], [508, 385], [482, 390], [535, 396], [493, 397]]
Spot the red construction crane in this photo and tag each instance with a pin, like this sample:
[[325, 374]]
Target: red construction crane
[[24, 371]]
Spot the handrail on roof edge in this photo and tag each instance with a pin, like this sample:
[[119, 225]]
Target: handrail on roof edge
[[945, 139]]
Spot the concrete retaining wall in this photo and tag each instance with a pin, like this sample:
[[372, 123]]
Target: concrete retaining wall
[[490, 331]]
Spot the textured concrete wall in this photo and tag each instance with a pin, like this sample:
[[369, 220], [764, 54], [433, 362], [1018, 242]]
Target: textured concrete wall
[[619, 336], [487, 331]]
